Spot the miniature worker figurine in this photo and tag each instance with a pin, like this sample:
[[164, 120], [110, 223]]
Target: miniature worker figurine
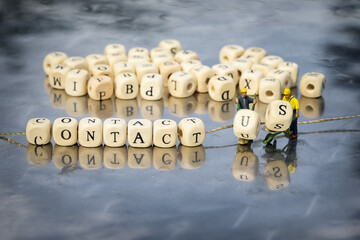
[[295, 105], [244, 100]]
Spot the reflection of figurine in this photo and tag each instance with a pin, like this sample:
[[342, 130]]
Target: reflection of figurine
[[291, 158], [295, 105], [244, 100]]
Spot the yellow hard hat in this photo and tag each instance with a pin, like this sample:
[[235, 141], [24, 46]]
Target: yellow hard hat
[[244, 90], [287, 91]]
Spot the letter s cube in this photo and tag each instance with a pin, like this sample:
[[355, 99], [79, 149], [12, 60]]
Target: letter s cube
[[278, 116]]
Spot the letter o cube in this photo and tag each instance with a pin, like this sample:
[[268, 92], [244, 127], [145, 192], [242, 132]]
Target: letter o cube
[[278, 116], [191, 132], [269, 90], [312, 84], [100, 87], [65, 131], [152, 86], [246, 124], [140, 133], [221, 88], [182, 84], [38, 131], [90, 132], [165, 133]]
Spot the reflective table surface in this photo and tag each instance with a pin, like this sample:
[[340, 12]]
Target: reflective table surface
[[299, 189]]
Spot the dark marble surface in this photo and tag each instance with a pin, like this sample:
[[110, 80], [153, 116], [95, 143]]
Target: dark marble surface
[[198, 198]]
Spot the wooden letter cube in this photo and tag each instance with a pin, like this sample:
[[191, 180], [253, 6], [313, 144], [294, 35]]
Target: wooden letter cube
[[187, 66], [246, 124], [250, 80], [269, 90], [90, 132], [221, 88], [76, 63], [202, 75], [276, 175], [138, 51], [161, 58], [182, 84], [242, 65], [159, 51], [165, 133], [114, 58], [281, 75], [101, 70], [255, 51], [140, 133], [76, 82], [114, 132], [185, 55], [114, 48], [100, 87], [293, 69], [53, 59], [167, 68], [272, 60], [138, 58], [226, 70], [312, 84], [172, 45], [65, 131], [152, 86], [123, 67], [57, 76], [95, 59], [145, 68], [191, 132], [229, 53], [126, 86], [278, 116], [262, 67], [38, 131]]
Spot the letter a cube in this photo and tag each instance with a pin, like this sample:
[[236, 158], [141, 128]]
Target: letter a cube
[[140, 133]]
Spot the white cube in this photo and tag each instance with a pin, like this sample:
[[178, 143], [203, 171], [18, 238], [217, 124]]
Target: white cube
[[312, 84], [281, 75], [140, 133], [202, 75], [278, 116], [229, 53], [90, 132], [152, 86], [191, 131], [293, 69], [269, 90], [221, 88], [182, 84], [250, 80], [165, 133], [114, 132], [126, 86], [246, 124]]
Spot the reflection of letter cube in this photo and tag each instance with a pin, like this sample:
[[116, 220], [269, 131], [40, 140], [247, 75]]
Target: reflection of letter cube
[[246, 124], [91, 158], [76, 63], [39, 155], [171, 44], [281, 75], [191, 131], [76, 82], [165, 133], [278, 116], [250, 80], [152, 86], [165, 158], [53, 59], [312, 84], [57, 76], [221, 88], [90, 132], [269, 90], [182, 84], [245, 166], [144, 68], [139, 157], [126, 86], [167, 68], [114, 132], [311, 107], [100, 87], [65, 156], [202, 75], [226, 70], [65, 131], [293, 69], [185, 55], [221, 111], [276, 175], [272, 60], [95, 59], [38, 131], [123, 67], [191, 157], [140, 133], [229, 53], [115, 157]]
